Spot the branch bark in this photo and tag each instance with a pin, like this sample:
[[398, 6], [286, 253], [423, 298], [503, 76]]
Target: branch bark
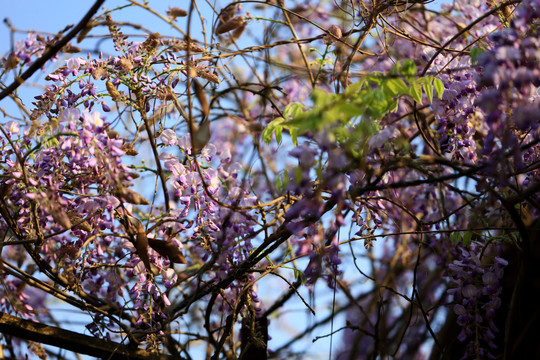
[[69, 340]]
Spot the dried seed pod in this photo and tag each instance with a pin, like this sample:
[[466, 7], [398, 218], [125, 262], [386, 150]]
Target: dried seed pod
[[85, 31], [131, 197], [141, 244], [239, 31], [125, 64], [129, 150], [226, 14], [201, 96], [98, 72], [207, 75], [80, 223], [112, 134], [115, 95], [133, 175], [168, 249], [151, 43], [255, 127], [70, 49], [41, 130], [185, 45], [201, 136], [336, 31], [61, 217], [230, 25], [175, 12], [12, 62]]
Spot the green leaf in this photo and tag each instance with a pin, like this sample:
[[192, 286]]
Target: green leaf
[[278, 131], [475, 51], [288, 252], [398, 86], [267, 135], [298, 176], [428, 89], [293, 110], [375, 80], [467, 238], [282, 180], [408, 68], [455, 237], [321, 98], [355, 88], [347, 111], [393, 106], [416, 92], [294, 135], [274, 125], [439, 87]]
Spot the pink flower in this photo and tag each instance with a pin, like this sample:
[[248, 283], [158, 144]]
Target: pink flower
[[93, 119], [74, 64], [168, 137]]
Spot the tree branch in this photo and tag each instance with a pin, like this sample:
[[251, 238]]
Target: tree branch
[[69, 340], [36, 65]]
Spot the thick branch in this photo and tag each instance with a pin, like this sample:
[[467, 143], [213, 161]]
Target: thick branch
[[36, 65], [69, 340]]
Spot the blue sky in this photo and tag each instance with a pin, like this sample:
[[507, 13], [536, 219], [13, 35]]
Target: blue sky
[[52, 16]]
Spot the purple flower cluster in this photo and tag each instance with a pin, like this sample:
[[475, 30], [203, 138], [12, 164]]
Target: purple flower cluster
[[26, 51], [509, 95], [476, 289]]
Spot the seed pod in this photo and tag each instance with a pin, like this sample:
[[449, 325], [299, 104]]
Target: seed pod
[[175, 12], [70, 49], [98, 72], [125, 64], [201, 136], [12, 62], [129, 150], [239, 31], [207, 75], [335, 31], [168, 249], [134, 175], [151, 43], [195, 48], [255, 127], [226, 14], [41, 130], [80, 223], [85, 31], [112, 134], [201, 96], [183, 46], [115, 95], [61, 217], [230, 25], [131, 197], [141, 245]]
